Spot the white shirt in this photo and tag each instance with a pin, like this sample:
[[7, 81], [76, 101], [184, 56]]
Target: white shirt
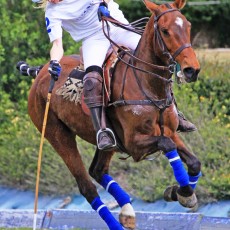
[[78, 17]]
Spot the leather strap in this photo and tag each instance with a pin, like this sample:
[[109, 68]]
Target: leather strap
[[187, 45]]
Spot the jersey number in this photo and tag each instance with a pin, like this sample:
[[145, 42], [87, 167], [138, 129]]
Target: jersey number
[[47, 25]]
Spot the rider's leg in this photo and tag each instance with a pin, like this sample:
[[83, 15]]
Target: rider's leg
[[94, 50], [184, 124], [93, 97]]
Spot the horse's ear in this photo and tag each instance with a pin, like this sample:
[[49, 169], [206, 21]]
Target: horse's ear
[[150, 5], [179, 4]]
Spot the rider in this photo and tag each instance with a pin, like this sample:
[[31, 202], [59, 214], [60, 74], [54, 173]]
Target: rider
[[82, 20]]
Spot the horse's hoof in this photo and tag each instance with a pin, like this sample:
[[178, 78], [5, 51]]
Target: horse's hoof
[[170, 193], [128, 222], [188, 202]]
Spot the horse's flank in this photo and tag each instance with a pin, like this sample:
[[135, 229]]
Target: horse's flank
[[69, 113]]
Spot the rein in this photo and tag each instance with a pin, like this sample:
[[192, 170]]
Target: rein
[[169, 68], [158, 39], [160, 104]]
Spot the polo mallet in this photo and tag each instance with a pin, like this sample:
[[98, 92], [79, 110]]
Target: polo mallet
[[52, 81]]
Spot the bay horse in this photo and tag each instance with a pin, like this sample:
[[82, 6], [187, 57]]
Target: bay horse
[[141, 112]]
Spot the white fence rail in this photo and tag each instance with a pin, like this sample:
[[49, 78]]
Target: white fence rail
[[89, 220]]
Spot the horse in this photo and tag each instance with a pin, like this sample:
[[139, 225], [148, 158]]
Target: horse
[[141, 111]]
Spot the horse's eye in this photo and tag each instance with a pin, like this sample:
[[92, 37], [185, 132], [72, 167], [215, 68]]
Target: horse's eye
[[165, 31]]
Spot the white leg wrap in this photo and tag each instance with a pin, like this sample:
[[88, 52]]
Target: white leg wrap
[[127, 210]]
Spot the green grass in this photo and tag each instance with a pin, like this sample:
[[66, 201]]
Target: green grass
[[223, 55]]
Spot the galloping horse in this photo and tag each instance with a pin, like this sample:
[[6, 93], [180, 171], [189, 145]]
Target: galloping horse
[[141, 112]]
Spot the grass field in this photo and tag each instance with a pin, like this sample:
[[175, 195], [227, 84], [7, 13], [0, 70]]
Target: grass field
[[220, 54], [214, 63]]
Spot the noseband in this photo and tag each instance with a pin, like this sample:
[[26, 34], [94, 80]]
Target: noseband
[[160, 41]]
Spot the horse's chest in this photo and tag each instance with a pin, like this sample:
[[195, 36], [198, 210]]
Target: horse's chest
[[139, 110], [146, 119], [143, 118]]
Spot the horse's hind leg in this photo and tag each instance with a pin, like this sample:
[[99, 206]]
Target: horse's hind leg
[[63, 141], [99, 170]]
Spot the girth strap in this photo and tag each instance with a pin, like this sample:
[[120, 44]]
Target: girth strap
[[160, 104], [161, 121]]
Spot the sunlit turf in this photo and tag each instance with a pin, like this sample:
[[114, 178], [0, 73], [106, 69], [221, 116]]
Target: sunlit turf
[[222, 55]]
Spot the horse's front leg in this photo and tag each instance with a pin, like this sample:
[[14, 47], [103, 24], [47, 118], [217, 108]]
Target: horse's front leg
[[99, 170], [174, 193], [192, 162], [184, 193]]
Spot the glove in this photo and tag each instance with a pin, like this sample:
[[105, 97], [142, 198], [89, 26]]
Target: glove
[[103, 10], [54, 69]]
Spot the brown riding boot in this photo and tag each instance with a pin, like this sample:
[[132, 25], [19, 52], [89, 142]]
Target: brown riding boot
[[105, 137], [93, 97], [184, 124]]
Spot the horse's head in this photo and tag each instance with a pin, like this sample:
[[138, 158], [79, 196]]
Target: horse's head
[[172, 36]]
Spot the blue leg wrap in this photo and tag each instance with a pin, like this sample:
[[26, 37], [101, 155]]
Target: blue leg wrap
[[105, 214], [194, 179], [178, 168], [115, 190]]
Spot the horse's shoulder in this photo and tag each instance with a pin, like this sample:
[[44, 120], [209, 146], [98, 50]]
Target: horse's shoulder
[[72, 57], [71, 60]]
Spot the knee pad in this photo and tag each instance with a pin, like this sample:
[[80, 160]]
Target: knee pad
[[92, 89]]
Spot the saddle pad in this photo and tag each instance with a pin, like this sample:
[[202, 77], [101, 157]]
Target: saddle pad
[[72, 90], [73, 87]]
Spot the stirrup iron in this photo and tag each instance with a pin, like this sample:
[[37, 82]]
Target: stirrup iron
[[110, 132]]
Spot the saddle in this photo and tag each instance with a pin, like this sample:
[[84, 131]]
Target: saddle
[[73, 87]]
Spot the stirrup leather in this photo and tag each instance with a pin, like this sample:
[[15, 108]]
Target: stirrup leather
[[110, 132]]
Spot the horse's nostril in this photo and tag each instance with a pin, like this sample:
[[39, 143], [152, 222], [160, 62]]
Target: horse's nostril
[[197, 71], [189, 72]]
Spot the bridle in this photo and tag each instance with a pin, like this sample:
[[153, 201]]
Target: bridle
[[124, 51], [160, 104], [160, 41]]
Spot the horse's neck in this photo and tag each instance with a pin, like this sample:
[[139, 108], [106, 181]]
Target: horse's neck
[[146, 52]]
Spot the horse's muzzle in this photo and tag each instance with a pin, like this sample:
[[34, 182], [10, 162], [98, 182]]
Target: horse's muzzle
[[190, 74]]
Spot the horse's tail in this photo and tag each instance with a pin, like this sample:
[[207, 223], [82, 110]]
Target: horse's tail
[[27, 70]]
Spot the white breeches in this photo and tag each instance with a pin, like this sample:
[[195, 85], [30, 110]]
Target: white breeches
[[95, 47]]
